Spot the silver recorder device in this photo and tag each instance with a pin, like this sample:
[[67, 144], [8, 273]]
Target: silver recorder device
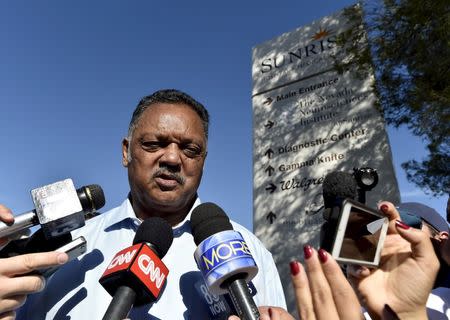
[[360, 235]]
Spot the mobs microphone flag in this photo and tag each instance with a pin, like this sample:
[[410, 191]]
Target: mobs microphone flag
[[224, 258], [136, 275]]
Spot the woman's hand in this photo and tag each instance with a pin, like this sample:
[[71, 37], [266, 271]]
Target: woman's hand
[[405, 276], [321, 289]]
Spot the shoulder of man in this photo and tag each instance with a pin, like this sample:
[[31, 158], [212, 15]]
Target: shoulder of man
[[267, 281], [251, 238]]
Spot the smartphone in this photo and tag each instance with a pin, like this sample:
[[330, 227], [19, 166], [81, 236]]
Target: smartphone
[[73, 249], [360, 235]]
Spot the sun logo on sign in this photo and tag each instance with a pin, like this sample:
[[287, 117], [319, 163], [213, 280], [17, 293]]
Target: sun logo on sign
[[322, 33]]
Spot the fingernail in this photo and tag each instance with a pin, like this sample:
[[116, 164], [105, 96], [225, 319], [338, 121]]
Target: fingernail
[[62, 258], [323, 256], [42, 286], [307, 251], [384, 208], [10, 218], [401, 224], [295, 268]]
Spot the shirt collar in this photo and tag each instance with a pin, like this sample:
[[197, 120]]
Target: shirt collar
[[185, 225], [125, 211]]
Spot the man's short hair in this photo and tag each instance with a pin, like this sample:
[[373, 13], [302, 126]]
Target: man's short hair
[[172, 96]]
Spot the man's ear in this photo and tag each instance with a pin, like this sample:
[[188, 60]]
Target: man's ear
[[125, 146]]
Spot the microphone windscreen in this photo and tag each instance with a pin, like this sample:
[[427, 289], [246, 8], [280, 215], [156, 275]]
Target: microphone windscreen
[[337, 186], [97, 195], [91, 198], [157, 232], [208, 219]]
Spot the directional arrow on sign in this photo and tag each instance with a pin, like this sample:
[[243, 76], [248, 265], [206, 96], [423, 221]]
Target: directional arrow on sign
[[271, 187], [269, 170], [269, 124], [268, 101], [269, 153], [271, 216]]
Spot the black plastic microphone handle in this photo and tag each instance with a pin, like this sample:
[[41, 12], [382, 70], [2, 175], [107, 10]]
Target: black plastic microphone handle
[[329, 228], [242, 300], [121, 304]]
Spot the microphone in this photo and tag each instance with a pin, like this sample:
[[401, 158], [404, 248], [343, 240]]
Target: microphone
[[224, 259], [59, 209], [136, 275], [336, 187]]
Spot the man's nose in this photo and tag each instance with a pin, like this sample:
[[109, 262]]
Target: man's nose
[[171, 156]]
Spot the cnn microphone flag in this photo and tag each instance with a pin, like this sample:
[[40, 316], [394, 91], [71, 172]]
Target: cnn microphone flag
[[138, 263]]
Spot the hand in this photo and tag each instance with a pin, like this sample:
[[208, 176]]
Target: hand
[[322, 290], [405, 276], [7, 217], [270, 313], [16, 281]]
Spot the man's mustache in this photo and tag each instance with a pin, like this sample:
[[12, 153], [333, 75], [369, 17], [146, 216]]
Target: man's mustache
[[170, 175]]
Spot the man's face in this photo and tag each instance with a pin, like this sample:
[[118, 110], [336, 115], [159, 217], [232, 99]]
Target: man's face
[[168, 150]]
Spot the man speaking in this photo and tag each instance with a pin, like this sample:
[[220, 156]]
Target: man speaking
[[164, 154]]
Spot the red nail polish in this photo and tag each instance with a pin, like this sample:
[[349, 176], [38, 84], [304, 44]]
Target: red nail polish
[[401, 224], [384, 208], [323, 256], [295, 268], [307, 251]]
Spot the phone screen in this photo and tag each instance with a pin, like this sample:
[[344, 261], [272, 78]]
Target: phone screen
[[361, 236]]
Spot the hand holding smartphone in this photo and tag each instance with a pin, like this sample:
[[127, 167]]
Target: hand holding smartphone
[[73, 249]]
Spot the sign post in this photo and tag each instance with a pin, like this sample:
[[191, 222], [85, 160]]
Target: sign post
[[309, 120]]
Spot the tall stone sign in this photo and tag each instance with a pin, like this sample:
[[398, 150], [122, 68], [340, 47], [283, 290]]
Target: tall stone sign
[[309, 120]]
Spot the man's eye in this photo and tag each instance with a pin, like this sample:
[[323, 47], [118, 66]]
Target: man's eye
[[150, 145], [192, 151]]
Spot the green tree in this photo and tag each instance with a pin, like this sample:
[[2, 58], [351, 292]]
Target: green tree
[[407, 44]]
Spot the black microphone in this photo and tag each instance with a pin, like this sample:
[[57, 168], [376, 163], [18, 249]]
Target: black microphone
[[59, 209], [336, 187], [136, 275], [224, 258]]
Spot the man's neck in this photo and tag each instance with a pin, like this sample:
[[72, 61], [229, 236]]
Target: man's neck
[[172, 216]]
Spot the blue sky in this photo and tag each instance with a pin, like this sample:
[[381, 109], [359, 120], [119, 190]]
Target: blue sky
[[72, 72]]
